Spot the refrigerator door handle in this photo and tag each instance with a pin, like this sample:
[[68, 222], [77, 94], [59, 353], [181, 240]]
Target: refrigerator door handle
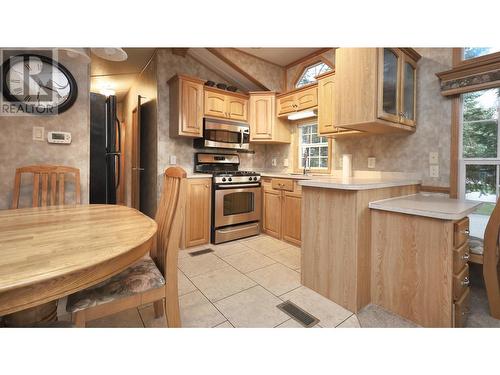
[[119, 131], [117, 159]]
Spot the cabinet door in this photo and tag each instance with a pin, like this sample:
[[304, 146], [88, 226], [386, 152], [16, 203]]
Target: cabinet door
[[237, 108], [286, 104], [389, 82], [215, 104], [325, 105], [292, 217], [306, 99], [272, 212], [408, 91], [261, 117], [197, 225], [192, 108]]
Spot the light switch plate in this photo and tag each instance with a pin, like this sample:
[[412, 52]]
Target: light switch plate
[[285, 162], [274, 162], [433, 158], [434, 171], [38, 133], [173, 160], [371, 162]]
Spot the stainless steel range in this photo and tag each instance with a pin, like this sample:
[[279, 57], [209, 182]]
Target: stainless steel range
[[236, 197]]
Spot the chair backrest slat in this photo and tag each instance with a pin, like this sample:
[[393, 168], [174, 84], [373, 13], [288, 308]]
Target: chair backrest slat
[[170, 218], [52, 181]]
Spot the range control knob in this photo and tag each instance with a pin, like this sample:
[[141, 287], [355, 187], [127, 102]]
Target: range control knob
[[223, 179], [230, 179], [255, 178], [249, 178]]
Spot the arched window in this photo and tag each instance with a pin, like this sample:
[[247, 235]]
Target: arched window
[[310, 73]]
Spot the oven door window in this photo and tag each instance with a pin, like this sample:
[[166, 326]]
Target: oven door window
[[238, 203], [223, 136]]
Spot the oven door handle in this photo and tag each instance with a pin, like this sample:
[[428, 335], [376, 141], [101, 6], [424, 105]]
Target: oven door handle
[[237, 186]]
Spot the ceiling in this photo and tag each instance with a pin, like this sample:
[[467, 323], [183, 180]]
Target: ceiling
[[280, 56], [118, 75]]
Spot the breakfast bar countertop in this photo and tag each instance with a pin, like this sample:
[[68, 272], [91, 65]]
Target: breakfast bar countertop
[[437, 206], [358, 183]]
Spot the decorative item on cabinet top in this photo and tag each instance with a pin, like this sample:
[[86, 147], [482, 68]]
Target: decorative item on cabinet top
[[375, 89]]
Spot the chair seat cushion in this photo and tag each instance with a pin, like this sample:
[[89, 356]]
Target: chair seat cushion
[[138, 278], [476, 245]]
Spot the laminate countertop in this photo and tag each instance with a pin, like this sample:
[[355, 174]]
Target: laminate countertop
[[428, 205], [357, 183]]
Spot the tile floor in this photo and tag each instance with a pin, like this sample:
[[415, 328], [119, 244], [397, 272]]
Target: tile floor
[[240, 284]]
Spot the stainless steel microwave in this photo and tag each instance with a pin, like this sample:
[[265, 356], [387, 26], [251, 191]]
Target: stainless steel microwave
[[224, 134]]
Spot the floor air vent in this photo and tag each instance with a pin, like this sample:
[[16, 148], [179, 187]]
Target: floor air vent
[[296, 313], [201, 252]]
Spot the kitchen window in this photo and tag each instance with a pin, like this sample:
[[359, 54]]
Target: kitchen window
[[313, 149], [473, 52], [479, 154], [310, 73]]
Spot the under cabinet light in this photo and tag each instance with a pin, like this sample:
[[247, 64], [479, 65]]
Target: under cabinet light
[[301, 115]]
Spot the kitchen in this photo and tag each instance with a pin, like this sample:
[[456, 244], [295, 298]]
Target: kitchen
[[249, 187]]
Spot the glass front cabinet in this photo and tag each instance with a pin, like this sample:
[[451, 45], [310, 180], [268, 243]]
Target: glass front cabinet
[[397, 86]]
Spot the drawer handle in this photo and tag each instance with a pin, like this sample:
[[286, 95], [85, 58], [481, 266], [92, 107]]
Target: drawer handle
[[466, 256], [465, 281], [465, 231]]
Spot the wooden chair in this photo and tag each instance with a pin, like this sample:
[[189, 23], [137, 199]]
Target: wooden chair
[[486, 252], [152, 279], [46, 179], [48, 189]]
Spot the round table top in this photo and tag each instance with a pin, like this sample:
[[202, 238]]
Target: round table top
[[50, 245]]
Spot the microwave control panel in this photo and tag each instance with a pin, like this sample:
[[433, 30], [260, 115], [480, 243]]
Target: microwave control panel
[[59, 137]]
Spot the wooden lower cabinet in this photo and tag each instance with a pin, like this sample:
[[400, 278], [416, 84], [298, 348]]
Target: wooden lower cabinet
[[197, 219], [282, 210], [417, 271]]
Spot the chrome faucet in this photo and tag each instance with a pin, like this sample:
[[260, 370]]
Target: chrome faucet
[[306, 161]]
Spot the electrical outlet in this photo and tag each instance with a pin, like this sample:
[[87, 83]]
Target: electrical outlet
[[274, 162], [38, 133], [285, 162], [173, 160], [433, 158], [434, 171], [371, 162]]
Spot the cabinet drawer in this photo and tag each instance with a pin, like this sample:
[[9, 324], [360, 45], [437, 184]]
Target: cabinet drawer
[[460, 257], [460, 283], [282, 184], [306, 99], [462, 309], [461, 232]]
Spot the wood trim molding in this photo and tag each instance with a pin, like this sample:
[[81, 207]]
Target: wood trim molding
[[470, 75], [226, 92], [456, 115], [308, 57], [435, 189], [412, 53], [180, 51], [303, 88], [220, 56]]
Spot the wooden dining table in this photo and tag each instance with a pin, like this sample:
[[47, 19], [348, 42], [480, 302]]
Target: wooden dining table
[[49, 252]]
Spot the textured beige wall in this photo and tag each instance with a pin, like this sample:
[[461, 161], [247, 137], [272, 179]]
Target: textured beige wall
[[18, 149], [410, 153], [293, 71], [270, 75]]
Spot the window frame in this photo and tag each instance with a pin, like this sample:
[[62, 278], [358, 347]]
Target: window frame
[[307, 64], [463, 162], [297, 145]]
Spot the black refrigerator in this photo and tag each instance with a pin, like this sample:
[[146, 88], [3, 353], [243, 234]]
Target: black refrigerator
[[104, 149]]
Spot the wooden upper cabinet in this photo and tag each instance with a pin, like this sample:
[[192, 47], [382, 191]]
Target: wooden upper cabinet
[[375, 89], [265, 127], [186, 106], [325, 103], [298, 100], [237, 108], [225, 104]]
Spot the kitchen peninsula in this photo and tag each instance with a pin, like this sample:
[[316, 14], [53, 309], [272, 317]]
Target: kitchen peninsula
[[336, 233]]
